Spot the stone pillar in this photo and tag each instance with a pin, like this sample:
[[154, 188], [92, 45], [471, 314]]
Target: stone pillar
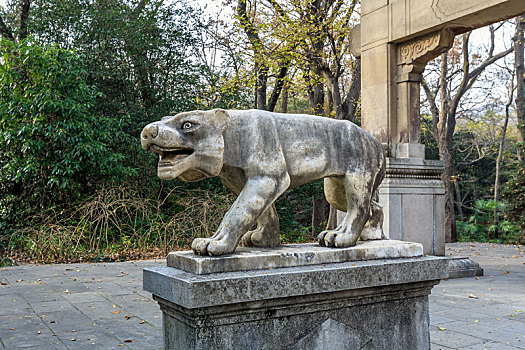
[[370, 304], [412, 194]]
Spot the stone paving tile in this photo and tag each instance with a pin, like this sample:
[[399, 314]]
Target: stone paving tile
[[449, 339], [489, 308], [498, 335], [24, 330], [104, 304]]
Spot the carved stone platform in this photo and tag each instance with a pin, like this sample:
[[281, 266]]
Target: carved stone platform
[[290, 255], [367, 304]]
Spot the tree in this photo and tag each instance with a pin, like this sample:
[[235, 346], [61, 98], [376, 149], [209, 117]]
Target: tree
[[459, 70], [497, 184], [520, 76]]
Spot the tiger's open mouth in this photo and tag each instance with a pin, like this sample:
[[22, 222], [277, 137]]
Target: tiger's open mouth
[[170, 156]]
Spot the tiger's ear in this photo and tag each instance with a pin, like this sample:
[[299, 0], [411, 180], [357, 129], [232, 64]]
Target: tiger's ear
[[221, 118]]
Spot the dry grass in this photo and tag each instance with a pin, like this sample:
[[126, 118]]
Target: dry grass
[[118, 224]]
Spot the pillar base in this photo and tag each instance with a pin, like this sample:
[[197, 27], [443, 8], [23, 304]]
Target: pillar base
[[413, 200]]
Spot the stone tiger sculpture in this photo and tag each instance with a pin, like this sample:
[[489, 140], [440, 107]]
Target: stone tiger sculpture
[[258, 155]]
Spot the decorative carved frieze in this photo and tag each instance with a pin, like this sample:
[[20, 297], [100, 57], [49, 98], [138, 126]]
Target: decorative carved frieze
[[419, 47], [420, 50]]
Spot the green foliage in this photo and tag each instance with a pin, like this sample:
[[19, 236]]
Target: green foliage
[[137, 52], [480, 226], [514, 193], [431, 147], [52, 146], [295, 212]]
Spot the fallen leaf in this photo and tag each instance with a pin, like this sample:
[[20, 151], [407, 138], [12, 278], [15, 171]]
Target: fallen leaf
[[39, 332], [505, 272], [141, 321], [14, 329], [472, 296], [5, 284], [441, 328], [116, 312], [128, 341], [127, 317], [73, 339], [476, 321]]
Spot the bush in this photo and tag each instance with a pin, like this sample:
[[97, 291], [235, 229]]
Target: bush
[[514, 194], [53, 149], [117, 223], [480, 226]]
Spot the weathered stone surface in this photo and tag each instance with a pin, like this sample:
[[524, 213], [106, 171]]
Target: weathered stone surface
[[355, 305], [412, 196], [196, 291], [290, 255], [460, 267], [259, 155]]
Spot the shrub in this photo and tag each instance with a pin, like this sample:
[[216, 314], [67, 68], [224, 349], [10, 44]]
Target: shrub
[[480, 226], [53, 149]]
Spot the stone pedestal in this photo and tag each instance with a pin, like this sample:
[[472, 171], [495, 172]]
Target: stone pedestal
[[367, 304], [413, 200]]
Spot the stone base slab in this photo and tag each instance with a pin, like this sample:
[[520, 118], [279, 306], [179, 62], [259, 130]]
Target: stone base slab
[[459, 267], [378, 304], [290, 255]]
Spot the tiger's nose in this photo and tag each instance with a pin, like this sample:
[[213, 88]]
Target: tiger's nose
[[150, 131]]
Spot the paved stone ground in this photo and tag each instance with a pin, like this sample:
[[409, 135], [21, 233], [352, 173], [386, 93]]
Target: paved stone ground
[[102, 306], [481, 312]]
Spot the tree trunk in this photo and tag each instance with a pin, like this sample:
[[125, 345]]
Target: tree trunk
[[329, 106], [520, 77], [278, 87], [499, 160], [459, 204], [284, 99], [351, 102], [261, 80], [318, 214], [261, 68], [450, 220], [23, 14], [318, 98]]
